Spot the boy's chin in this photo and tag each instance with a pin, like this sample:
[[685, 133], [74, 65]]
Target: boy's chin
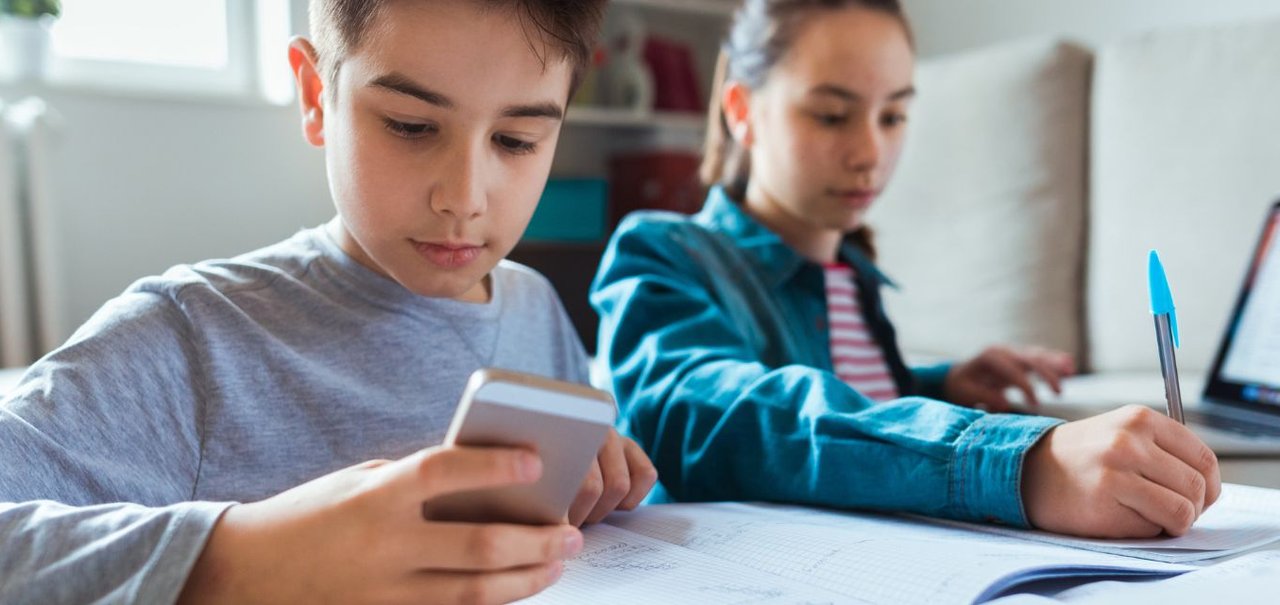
[[455, 287]]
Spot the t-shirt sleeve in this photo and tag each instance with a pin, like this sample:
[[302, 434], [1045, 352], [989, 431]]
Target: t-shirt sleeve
[[101, 447]]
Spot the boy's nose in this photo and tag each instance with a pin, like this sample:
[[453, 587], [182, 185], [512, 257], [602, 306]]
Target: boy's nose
[[459, 191]]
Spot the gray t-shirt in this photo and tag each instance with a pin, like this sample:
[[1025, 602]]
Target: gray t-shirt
[[231, 381]]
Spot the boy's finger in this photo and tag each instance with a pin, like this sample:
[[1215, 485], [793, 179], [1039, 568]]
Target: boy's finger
[[643, 475], [441, 470], [588, 495], [485, 587], [487, 547], [616, 479]]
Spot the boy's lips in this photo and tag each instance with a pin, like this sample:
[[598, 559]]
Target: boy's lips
[[450, 255]]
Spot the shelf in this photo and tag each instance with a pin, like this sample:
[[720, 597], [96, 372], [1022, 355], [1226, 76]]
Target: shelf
[[624, 118], [713, 8]]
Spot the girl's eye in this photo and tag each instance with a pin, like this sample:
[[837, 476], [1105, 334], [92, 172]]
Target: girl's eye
[[513, 145], [894, 119], [408, 130]]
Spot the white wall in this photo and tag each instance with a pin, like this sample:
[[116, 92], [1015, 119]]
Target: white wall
[[944, 26]]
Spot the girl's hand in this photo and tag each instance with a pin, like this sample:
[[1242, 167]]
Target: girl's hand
[[1132, 472], [358, 536], [981, 381], [620, 478]]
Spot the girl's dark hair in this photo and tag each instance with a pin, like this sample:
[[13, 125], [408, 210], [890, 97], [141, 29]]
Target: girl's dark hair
[[761, 34], [566, 27]]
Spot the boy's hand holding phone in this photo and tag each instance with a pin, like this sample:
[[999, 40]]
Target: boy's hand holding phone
[[357, 535]]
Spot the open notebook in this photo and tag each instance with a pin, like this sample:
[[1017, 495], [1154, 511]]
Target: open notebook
[[751, 553]]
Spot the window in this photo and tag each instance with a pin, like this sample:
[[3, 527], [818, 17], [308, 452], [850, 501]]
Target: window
[[200, 47]]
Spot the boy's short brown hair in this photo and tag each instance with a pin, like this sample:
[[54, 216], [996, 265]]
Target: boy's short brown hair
[[566, 27]]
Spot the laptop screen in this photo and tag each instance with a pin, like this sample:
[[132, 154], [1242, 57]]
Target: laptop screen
[[1247, 368]]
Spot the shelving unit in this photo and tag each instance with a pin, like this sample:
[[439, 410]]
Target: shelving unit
[[714, 8], [610, 117], [594, 134]]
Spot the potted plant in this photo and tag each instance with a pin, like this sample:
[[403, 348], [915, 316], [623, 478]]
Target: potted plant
[[24, 36]]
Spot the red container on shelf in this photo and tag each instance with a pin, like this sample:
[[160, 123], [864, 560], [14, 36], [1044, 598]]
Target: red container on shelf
[[654, 180]]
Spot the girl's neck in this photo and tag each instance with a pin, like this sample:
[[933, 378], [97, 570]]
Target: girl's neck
[[810, 241]]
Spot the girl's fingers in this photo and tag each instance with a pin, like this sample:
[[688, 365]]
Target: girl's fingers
[[1158, 504]]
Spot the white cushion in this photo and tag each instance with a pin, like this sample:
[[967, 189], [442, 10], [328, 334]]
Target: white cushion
[[983, 224], [1186, 158]]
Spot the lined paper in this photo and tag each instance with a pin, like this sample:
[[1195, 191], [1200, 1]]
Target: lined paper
[[753, 553]]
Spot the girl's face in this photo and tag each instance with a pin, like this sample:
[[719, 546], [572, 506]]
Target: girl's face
[[827, 127]]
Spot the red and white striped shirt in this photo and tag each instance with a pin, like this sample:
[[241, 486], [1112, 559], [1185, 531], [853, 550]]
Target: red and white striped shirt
[[856, 357]]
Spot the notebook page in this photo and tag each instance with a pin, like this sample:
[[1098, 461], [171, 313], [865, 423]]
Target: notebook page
[[874, 558], [618, 566], [1243, 518], [1252, 578]]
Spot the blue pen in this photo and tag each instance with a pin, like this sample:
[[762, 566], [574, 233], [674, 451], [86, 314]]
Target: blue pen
[[1166, 333]]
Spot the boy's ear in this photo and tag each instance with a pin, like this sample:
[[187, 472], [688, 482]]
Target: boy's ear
[[302, 58], [735, 102]]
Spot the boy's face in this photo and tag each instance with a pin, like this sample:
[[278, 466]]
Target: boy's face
[[438, 132]]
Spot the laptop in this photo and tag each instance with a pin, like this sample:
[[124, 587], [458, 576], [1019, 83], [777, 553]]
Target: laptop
[[1239, 411]]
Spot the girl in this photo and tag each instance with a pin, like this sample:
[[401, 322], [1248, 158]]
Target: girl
[[752, 356]]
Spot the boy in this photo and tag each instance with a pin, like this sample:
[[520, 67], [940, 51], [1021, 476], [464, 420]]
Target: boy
[[233, 381]]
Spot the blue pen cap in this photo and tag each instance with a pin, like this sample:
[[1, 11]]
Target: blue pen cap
[[1161, 298]]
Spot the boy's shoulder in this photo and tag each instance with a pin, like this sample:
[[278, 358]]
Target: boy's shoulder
[[252, 271]]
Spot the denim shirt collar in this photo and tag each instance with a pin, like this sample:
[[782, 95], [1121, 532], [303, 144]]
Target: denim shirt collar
[[776, 261]]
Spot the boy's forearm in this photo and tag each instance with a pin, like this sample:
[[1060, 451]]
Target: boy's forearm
[[54, 553]]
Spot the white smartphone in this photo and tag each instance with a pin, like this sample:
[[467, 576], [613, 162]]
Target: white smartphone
[[565, 423]]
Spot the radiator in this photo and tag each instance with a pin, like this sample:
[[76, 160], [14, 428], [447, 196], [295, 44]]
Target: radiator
[[29, 324]]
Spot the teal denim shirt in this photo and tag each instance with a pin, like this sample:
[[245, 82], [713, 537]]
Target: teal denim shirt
[[714, 334]]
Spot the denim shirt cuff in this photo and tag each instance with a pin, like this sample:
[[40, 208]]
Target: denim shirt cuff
[[931, 380], [986, 473]]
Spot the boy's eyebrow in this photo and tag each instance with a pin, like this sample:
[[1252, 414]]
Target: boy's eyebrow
[[399, 83], [849, 95], [536, 110]]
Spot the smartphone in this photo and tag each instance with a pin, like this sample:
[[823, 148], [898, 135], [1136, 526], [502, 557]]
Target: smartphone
[[565, 423]]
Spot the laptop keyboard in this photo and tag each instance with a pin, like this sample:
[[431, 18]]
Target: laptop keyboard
[[1231, 424]]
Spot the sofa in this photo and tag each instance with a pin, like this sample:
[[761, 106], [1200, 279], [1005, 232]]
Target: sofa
[[1038, 173]]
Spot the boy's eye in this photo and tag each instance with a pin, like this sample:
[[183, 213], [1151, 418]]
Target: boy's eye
[[513, 145], [831, 119], [408, 130]]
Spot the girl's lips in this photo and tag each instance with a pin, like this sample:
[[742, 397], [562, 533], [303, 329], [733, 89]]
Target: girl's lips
[[448, 256], [858, 198]]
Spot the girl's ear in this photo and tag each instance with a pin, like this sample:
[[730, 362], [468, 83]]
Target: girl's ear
[[302, 59], [735, 102]]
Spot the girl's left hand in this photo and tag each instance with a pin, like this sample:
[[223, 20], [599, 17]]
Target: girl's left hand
[[981, 381]]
